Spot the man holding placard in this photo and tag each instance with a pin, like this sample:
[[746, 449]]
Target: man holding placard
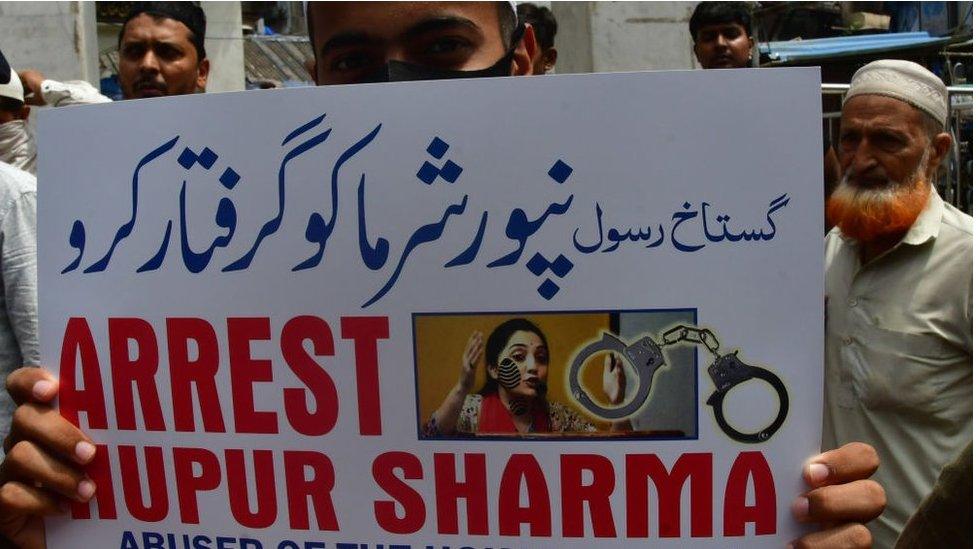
[[357, 43]]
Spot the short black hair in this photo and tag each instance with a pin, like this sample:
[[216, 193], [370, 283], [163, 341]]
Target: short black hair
[[507, 21], [717, 13], [188, 13], [542, 21]]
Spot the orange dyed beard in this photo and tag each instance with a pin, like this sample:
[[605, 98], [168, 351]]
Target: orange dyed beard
[[867, 215]]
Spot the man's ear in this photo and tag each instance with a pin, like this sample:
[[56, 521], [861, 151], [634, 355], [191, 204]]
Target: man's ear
[[940, 148], [524, 53], [312, 67], [203, 71], [23, 112], [694, 48]]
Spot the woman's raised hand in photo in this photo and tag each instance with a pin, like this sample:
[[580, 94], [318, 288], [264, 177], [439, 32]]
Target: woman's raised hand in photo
[[469, 360]]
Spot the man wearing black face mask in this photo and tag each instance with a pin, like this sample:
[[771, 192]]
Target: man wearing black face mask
[[358, 42]]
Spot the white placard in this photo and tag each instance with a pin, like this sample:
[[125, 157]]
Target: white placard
[[256, 300]]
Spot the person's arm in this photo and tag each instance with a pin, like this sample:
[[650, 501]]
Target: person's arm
[[43, 465], [841, 499], [44, 91], [444, 420], [944, 519], [18, 269]]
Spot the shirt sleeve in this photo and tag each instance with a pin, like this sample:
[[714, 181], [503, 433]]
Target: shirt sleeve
[[72, 92], [18, 267]]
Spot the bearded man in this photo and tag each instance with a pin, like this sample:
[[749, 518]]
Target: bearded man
[[899, 273]]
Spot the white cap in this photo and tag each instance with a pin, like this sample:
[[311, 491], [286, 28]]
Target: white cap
[[10, 85], [905, 81]]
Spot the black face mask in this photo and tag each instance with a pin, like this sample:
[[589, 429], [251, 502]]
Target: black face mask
[[400, 71]]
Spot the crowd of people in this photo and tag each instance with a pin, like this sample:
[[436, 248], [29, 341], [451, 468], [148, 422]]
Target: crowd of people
[[898, 364]]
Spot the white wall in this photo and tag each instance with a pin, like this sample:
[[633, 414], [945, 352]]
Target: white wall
[[56, 38], [574, 41], [623, 36], [225, 46]]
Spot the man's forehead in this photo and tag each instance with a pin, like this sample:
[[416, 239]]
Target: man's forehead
[[389, 19], [879, 109], [149, 27]]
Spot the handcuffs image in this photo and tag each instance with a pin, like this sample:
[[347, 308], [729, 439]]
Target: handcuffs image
[[646, 358]]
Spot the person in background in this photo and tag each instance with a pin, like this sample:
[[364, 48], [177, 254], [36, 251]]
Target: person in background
[[18, 254], [16, 140], [899, 282], [544, 24], [357, 42], [18, 145], [722, 35], [161, 52]]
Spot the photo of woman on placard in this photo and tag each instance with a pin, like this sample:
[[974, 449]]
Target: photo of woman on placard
[[513, 398]]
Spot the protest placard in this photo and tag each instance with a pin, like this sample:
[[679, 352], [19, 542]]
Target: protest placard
[[394, 315]]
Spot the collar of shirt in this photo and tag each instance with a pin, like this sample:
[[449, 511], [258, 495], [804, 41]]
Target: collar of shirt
[[926, 226]]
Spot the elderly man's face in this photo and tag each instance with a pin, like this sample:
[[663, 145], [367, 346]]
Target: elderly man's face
[[888, 158], [353, 40], [723, 46], [882, 141], [157, 58]]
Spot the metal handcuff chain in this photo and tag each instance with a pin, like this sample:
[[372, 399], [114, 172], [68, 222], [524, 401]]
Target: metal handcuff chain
[[645, 357]]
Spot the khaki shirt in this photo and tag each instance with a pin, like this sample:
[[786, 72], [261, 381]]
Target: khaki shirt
[[899, 355]]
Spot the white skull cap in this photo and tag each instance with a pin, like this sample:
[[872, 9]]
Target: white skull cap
[[905, 81], [11, 85]]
